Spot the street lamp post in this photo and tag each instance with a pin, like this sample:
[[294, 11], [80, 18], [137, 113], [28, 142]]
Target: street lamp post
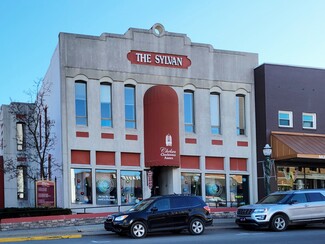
[[267, 151]]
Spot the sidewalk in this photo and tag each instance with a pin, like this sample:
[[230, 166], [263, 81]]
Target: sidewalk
[[85, 227]]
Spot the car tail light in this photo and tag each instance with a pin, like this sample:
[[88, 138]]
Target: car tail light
[[207, 208]]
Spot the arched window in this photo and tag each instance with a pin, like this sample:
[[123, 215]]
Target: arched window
[[189, 111], [106, 104], [215, 112], [240, 114], [81, 102], [130, 107]]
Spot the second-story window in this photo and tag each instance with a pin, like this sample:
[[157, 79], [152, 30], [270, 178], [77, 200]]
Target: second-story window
[[240, 114], [285, 119], [21, 182], [81, 103], [106, 104], [215, 113], [20, 136], [309, 120], [189, 111], [130, 111]]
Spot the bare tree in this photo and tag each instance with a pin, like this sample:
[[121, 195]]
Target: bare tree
[[37, 140]]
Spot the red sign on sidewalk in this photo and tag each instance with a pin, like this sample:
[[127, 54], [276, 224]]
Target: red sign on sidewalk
[[45, 193]]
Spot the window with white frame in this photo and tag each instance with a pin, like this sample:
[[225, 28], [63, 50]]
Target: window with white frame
[[285, 119], [309, 120], [215, 112], [106, 104], [81, 103], [189, 111], [240, 114], [130, 108]]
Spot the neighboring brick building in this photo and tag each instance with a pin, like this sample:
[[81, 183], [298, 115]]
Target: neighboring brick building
[[290, 117]]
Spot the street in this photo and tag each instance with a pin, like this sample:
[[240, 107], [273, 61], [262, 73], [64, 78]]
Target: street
[[223, 234]]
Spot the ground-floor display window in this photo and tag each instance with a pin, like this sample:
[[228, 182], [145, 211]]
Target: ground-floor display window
[[106, 193], [215, 190], [297, 178], [239, 190], [191, 184], [81, 186], [131, 187]]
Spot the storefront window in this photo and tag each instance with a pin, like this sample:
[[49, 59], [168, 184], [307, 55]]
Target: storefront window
[[239, 190], [131, 187], [215, 190], [106, 193], [191, 184], [81, 186], [297, 178]]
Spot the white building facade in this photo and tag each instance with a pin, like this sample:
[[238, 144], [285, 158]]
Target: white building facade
[[149, 112], [16, 188]]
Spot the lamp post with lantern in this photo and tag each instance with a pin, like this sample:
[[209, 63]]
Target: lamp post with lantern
[[267, 151]]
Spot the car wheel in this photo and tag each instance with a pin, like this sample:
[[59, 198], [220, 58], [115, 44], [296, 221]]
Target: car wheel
[[279, 222], [138, 230], [196, 227]]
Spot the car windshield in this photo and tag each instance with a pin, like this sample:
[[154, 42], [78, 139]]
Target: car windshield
[[273, 199], [141, 205]]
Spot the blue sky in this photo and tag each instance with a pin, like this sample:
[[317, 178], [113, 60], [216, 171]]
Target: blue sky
[[290, 32]]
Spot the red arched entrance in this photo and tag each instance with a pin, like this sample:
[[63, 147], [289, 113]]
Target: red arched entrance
[[161, 134]]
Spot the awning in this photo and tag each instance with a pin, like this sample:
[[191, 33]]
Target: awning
[[161, 127], [286, 145]]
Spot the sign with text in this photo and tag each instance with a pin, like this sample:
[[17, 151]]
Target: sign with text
[[45, 193], [159, 59]]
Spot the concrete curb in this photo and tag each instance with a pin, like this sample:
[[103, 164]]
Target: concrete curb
[[38, 238]]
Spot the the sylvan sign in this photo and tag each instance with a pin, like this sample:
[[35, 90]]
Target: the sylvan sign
[[159, 59]]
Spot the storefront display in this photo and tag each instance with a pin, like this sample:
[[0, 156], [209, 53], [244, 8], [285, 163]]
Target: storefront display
[[298, 178], [131, 187], [215, 190], [191, 184], [106, 193], [81, 181], [239, 190]]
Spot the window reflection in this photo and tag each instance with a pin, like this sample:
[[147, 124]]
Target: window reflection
[[81, 103], [21, 182], [215, 190], [191, 184], [81, 186], [131, 187], [189, 111], [20, 136], [106, 105], [215, 113], [106, 193], [130, 117], [239, 190], [240, 114]]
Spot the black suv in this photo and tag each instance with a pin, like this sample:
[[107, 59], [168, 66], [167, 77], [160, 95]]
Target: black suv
[[161, 213]]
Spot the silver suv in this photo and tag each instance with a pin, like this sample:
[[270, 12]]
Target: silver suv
[[280, 209]]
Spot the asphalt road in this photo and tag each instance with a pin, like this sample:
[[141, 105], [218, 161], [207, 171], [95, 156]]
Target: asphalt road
[[224, 231]]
